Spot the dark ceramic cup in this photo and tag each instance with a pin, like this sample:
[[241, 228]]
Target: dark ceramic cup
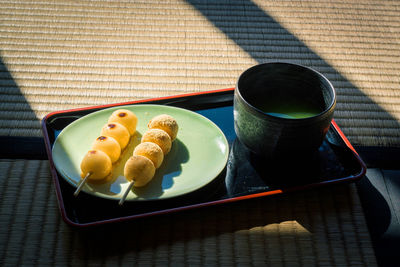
[[283, 110]]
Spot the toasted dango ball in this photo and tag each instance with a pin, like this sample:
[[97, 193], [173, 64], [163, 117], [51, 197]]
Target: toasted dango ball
[[165, 122], [126, 118], [108, 145], [97, 163], [151, 151], [160, 137], [118, 132], [139, 169]]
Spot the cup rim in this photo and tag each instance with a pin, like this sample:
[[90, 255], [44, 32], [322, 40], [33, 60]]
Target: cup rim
[[262, 114]]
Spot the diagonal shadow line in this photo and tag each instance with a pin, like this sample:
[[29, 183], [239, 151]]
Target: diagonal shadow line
[[277, 36], [261, 36], [14, 107]]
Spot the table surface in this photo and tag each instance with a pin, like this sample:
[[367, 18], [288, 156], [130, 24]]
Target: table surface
[[71, 54]]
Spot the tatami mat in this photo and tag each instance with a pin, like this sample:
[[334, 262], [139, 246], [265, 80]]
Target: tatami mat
[[68, 54], [323, 227]]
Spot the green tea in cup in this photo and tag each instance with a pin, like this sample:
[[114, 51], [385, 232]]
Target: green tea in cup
[[283, 110], [288, 110]]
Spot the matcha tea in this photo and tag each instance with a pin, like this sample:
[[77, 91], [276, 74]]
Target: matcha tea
[[290, 111]]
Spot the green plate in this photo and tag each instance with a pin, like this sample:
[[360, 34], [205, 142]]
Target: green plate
[[198, 154]]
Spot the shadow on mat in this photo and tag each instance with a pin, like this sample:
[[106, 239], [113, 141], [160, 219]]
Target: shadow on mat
[[312, 216], [267, 33], [259, 35], [16, 118]]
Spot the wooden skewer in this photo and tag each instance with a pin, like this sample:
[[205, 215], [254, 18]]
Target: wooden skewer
[[82, 183], [122, 200]]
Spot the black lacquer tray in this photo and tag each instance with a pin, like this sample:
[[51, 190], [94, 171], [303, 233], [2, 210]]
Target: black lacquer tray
[[245, 176]]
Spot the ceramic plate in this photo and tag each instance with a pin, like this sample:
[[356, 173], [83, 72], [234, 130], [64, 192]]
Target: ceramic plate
[[198, 154]]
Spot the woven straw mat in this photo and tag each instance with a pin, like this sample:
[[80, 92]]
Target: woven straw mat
[[59, 55], [323, 227]]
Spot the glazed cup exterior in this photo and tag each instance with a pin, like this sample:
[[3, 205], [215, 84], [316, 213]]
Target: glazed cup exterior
[[276, 137]]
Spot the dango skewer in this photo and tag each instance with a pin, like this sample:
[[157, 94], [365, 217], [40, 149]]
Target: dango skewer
[[114, 138], [149, 154]]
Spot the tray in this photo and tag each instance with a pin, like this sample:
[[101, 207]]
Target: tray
[[245, 176]]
